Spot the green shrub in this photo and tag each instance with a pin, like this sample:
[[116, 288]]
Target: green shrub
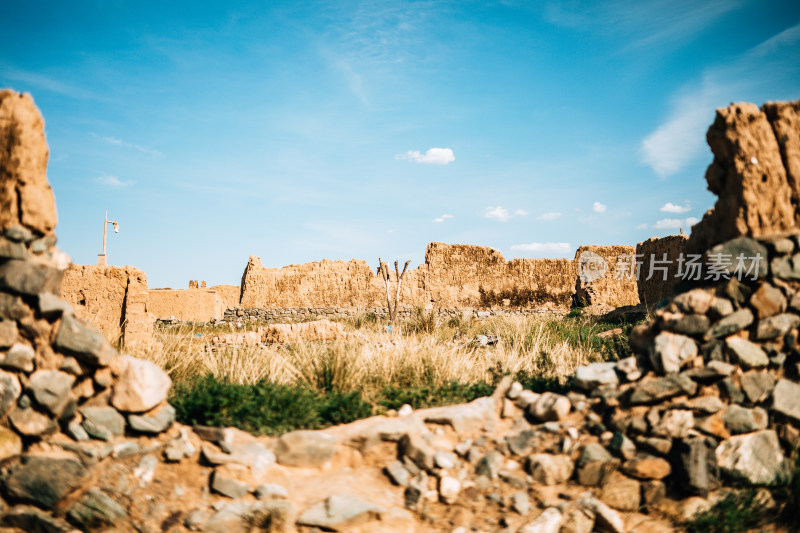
[[393, 397], [737, 512]]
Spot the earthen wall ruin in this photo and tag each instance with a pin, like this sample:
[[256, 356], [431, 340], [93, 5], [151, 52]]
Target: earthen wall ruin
[[193, 304], [656, 254]]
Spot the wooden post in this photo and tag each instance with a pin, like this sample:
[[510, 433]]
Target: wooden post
[[399, 283], [385, 275]]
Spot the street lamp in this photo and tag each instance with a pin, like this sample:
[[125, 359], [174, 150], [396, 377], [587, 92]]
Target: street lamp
[[101, 258]]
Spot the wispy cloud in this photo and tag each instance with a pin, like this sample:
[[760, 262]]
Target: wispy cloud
[[433, 156], [769, 70], [669, 207], [543, 247], [549, 216], [442, 218], [113, 181], [502, 214], [597, 207], [45, 83], [521, 213], [675, 223], [642, 226], [118, 142]]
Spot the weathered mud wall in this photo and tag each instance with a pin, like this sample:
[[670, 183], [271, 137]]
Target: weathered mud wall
[[191, 304], [114, 299], [604, 276], [452, 276], [659, 272], [229, 294]]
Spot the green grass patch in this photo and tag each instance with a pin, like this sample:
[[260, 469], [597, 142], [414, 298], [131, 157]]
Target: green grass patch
[[738, 512]]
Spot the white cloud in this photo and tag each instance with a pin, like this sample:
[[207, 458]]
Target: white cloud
[[597, 207], [675, 223], [500, 213], [442, 218], [118, 142], [544, 247], [549, 216], [642, 226], [521, 213], [433, 156], [113, 181], [669, 207]]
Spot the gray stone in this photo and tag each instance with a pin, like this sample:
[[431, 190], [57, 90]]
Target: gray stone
[[17, 233], [445, 460], [728, 325], [721, 368], [786, 399], [739, 419], [51, 389], [141, 385], [269, 491], [153, 422], [304, 448], [747, 258], [721, 307], [705, 404], [514, 390], [51, 306], [549, 469], [226, 480], [776, 326], [548, 522], [754, 457], [179, 448], [691, 324], [676, 424], [757, 386], [520, 503], [31, 519], [629, 367], [239, 517], [45, 478], [591, 376], [85, 344], [660, 389], [621, 492], [787, 267], [103, 422], [489, 465], [694, 465], [12, 307], [70, 365], [595, 464], [96, 509], [28, 278], [731, 391], [12, 250], [449, 489], [694, 301], [19, 357], [340, 511], [397, 473], [465, 417], [9, 391], [622, 446], [606, 518], [418, 450], [578, 520], [746, 353], [522, 443], [768, 300], [8, 333], [32, 423], [550, 407], [657, 445], [671, 351], [76, 431]]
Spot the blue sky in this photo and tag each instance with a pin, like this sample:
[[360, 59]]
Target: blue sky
[[298, 131]]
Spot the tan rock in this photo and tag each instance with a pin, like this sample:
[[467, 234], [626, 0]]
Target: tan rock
[[140, 386]]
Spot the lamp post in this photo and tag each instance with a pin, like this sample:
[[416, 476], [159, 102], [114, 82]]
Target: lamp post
[[101, 258]]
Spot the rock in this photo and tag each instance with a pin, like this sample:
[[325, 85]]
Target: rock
[[755, 457], [76, 431], [730, 324], [694, 464], [520, 503], [239, 517], [85, 344], [522, 443], [10, 444], [418, 450], [705, 404], [340, 511], [489, 465], [659, 389], [141, 385], [45, 478], [690, 324], [656, 445], [606, 519], [526, 399], [768, 300], [757, 386], [8, 333], [786, 399], [231, 480], [776, 326], [578, 520], [696, 301], [547, 522], [27, 278], [514, 391], [653, 492], [676, 423], [96, 509], [9, 391], [26, 518], [549, 469], [52, 307], [746, 353], [405, 410], [397, 473], [31, 423], [630, 368], [179, 448], [594, 464], [445, 460], [647, 467], [671, 351], [304, 448], [720, 307], [155, 421], [622, 446], [550, 406], [621, 493], [51, 389], [103, 422], [19, 357], [12, 307], [449, 489], [463, 418], [741, 420], [269, 491], [721, 368], [591, 376]]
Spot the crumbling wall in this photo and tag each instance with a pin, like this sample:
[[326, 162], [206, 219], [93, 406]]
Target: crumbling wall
[[193, 304], [229, 294], [604, 276], [656, 254], [114, 299], [755, 174]]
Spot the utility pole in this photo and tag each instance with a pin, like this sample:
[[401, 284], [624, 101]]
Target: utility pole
[[101, 258]]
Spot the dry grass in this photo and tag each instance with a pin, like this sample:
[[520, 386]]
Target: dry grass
[[423, 350]]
